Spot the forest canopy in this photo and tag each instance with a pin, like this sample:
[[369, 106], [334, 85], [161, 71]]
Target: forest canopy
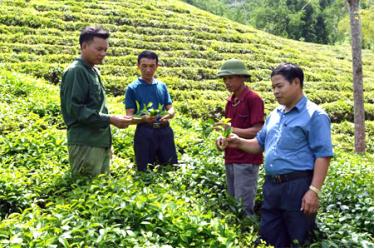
[[318, 21]]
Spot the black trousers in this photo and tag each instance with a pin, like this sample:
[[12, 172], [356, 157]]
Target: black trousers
[[283, 224], [153, 145]]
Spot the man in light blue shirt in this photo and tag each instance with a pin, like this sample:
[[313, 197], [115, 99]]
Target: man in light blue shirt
[[296, 140], [292, 140]]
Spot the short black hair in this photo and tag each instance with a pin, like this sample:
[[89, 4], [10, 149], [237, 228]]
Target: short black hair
[[289, 71], [148, 55], [88, 34]]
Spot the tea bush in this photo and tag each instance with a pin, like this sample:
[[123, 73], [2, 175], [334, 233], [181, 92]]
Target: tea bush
[[346, 217], [41, 205]]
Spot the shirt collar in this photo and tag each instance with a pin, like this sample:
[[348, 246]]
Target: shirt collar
[[299, 106], [85, 64], [154, 81], [242, 95]]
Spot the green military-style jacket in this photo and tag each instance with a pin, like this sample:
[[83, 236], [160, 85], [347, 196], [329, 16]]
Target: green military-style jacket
[[83, 106]]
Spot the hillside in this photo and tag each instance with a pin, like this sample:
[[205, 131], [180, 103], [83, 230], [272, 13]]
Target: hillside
[[39, 203], [40, 38]]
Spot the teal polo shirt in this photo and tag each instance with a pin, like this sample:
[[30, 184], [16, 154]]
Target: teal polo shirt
[[143, 92], [293, 140]]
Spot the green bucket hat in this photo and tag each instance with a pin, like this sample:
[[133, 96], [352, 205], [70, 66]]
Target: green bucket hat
[[233, 67]]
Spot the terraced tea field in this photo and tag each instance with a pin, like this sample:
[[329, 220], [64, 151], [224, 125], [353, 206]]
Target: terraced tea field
[[41, 206]]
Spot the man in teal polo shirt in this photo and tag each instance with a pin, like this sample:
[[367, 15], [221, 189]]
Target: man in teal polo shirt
[[296, 140], [153, 138], [84, 109]]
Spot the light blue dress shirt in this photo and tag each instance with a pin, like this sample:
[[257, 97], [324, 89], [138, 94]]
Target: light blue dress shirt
[[293, 140]]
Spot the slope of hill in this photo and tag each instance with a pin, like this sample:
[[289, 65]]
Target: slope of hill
[[41, 205], [40, 38]]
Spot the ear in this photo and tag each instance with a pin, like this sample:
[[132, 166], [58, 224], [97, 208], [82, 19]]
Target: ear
[[84, 45], [296, 81]]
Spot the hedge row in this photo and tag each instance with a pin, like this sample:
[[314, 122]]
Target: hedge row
[[338, 108], [41, 205]]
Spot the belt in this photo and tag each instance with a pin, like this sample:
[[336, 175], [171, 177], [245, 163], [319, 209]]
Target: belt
[[154, 125], [289, 176]]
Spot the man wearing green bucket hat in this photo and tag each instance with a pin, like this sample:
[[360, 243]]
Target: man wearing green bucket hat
[[245, 109], [296, 141]]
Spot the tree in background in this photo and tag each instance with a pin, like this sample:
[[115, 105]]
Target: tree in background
[[367, 26], [359, 113], [307, 20]]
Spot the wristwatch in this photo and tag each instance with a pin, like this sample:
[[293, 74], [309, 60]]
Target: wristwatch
[[315, 189]]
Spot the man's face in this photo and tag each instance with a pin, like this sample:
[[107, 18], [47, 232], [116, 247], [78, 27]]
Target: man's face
[[93, 52], [234, 82], [147, 67], [285, 92]]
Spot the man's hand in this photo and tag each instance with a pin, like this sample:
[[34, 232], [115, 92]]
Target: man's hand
[[120, 121], [166, 118], [310, 202], [233, 141], [220, 143], [149, 119]]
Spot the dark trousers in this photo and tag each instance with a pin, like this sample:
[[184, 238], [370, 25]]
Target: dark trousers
[[282, 222], [154, 145]]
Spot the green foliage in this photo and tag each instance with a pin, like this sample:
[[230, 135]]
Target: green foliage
[[367, 25], [142, 111], [347, 206], [224, 126], [184, 206], [313, 21], [147, 110], [190, 52], [42, 205], [343, 137]]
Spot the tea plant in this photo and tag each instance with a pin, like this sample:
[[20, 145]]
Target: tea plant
[[173, 206]]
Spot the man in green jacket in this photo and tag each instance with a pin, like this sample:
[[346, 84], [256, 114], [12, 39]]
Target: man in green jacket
[[84, 108]]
